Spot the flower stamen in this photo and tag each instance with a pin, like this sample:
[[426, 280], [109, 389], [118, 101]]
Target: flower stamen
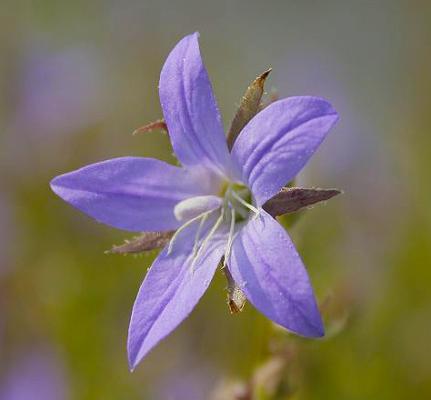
[[198, 234], [185, 225], [243, 202], [230, 238], [207, 239]]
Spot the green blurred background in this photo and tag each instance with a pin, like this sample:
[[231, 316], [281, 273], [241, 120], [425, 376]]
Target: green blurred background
[[78, 77]]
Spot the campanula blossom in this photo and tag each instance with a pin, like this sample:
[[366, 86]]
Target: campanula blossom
[[38, 373], [213, 203]]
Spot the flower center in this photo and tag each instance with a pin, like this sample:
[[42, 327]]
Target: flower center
[[238, 197], [232, 206]]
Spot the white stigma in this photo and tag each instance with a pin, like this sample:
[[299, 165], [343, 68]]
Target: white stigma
[[194, 206]]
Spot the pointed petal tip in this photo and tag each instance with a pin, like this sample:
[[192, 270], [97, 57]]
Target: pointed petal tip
[[52, 184], [313, 327], [53, 180], [331, 111], [133, 357], [132, 365], [195, 35], [134, 345], [319, 332], [55, 185], [310, 327], [309, 331], [336, 117], [316, 329], [324, 102]]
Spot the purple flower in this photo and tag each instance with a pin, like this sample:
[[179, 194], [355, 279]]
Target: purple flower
[[213, 202], [37, 374], [60, 92]]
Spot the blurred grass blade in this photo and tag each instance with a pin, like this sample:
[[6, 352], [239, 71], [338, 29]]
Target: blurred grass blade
[[248, 107], [145, 242], [292, 199]]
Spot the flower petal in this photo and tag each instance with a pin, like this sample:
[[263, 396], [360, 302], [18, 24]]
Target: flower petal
[[276, 144], [170, 291], [266, 265], [131, 193], [190, 109]]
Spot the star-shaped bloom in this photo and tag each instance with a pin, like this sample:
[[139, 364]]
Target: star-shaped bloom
[[213, 202]]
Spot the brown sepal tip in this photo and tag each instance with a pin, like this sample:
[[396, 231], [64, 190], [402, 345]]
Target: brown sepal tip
[[159, 125]]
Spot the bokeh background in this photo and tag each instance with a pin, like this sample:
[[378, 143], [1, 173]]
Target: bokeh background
[[78, 77]]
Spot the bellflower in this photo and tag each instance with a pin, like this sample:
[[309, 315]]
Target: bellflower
[[213, 203]]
